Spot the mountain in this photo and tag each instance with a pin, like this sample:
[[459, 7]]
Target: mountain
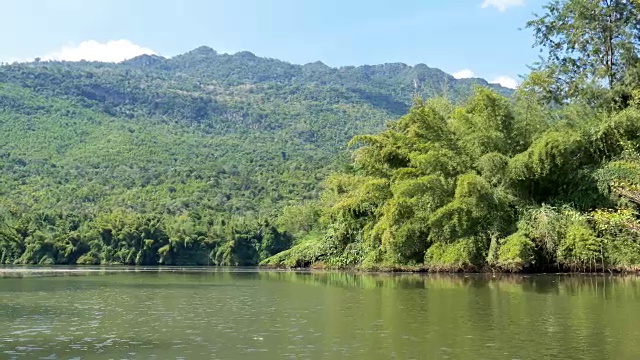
[[181, 160]]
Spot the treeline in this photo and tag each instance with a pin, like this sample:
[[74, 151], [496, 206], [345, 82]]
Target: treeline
[[78, 186], [129, 238], [548, 180]]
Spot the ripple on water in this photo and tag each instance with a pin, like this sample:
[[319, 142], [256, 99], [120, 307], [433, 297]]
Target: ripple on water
[[277, 321]]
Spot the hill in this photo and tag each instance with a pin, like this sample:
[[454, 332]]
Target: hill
[[183, 160]]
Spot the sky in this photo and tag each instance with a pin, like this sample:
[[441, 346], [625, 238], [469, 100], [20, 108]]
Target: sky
[[466, 38]]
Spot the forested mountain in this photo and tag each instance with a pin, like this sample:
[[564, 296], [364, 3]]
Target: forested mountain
[[203, 158]]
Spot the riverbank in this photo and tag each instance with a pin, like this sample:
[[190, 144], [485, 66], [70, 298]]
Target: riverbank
[[424, 269], [61, 270]]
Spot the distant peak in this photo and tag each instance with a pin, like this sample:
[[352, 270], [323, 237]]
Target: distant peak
[[245, 54], [144, 60], [203, 50], [396, 66], [317, 64]]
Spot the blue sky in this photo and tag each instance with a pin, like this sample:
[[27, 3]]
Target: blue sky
[[465, 37]]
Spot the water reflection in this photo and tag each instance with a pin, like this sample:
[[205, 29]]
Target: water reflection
[[541, 284]]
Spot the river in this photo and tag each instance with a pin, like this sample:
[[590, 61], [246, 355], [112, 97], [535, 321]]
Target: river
[[152, 313]]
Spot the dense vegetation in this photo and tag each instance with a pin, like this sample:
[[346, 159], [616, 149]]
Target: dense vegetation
[[217, 159], [197, 159], [548, 180]]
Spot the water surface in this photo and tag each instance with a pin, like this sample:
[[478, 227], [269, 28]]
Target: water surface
[[250, 314]]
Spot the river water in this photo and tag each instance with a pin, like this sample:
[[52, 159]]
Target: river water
[[250, 314]]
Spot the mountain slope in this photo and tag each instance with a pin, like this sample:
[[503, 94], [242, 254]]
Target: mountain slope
[[182, 160]]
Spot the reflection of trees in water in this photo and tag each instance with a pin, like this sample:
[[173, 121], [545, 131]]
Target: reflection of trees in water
[[553, 313], [571, 284], [542, 284]]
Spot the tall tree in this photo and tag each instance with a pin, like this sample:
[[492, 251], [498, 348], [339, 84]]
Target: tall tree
[[592, 46]]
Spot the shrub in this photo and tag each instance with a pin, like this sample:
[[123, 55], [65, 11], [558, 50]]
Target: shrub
[[460, 255], [515, 253]]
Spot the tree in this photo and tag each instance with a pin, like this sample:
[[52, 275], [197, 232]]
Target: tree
[[592, 47]]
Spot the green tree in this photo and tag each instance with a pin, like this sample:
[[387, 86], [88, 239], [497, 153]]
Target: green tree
[[591, 47]]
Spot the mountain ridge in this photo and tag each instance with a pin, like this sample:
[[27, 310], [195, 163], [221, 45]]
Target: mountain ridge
[[203, 51]]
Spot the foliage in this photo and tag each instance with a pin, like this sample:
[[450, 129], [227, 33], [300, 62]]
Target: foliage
[[463, 190], [516, 253], [461, 255], [311, 251], [619, 231], [591, 46], [547, 180]]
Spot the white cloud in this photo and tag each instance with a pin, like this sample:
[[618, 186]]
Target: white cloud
[[91, 50], [506, 81], [463, 74], [502, 5]]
